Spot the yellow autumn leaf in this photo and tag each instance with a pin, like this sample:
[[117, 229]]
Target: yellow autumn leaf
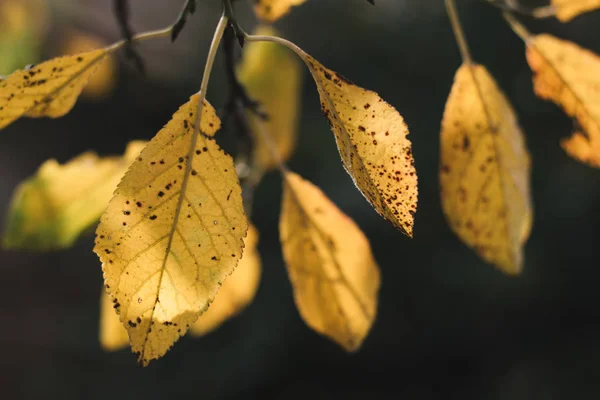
[[113, 335], [172, 232], [103, 81], [272, 75], [569, 75], [272, 10], [566, 10], [51, 209], [485, 170], [371, 138], [237, 292], [332, 270], [49, 89]]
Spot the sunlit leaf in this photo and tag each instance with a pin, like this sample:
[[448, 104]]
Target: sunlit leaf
[[51, 209], [271, 74], [172, 232], [485, 170], [236, 293], [569, 75], [103, 81], [566, 10], [49, 89], [333, 273], [371, 138], [272, 10]]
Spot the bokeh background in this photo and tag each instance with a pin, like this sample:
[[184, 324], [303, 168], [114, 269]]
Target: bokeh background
[[449, 326]]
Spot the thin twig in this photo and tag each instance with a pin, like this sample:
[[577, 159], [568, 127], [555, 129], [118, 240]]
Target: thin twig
[[188, 8], [458, 32], [121, 8], [516, 7]]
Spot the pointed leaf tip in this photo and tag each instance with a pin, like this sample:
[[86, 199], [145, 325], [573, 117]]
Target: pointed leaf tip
[[237, 292], [371, 136], [172, 233], [49, 89]]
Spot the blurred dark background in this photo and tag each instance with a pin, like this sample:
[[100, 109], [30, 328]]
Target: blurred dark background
[[449, 326]]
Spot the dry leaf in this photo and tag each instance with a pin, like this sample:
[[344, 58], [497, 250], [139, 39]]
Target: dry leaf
[[272, 10], [371, 138], [51, 209], [570, 76], [271, 74], [485, 170], [333, 273], [237, 292], [49, 89], [172, 232], [566, 10]]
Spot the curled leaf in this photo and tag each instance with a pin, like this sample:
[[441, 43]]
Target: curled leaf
[[485, 170], [566, 10], [172, 232], [332, 270], [51, 209], [236, 293], [371, 138], [272, 10], [49, 89], [272, 76], [569, 75]]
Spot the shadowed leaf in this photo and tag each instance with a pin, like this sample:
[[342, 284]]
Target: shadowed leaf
[[485, 170], [570, 76], [333, 273], [272, 76]]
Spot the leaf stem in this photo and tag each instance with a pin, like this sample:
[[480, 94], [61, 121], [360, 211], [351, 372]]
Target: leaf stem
[[458, 31], [515, 6], [517, 27], [275, 39], [141, 37], [210, 60]]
